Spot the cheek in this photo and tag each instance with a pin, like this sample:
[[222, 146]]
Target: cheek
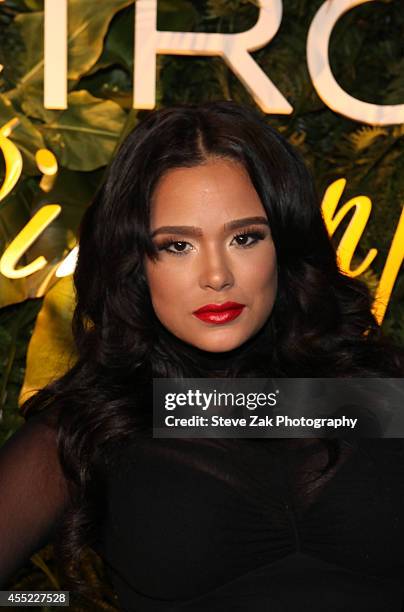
[[266, 289], [261, 278], [165, 286]]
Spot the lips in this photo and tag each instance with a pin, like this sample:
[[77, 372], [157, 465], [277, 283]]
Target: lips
[[219, 313], [219, 307]]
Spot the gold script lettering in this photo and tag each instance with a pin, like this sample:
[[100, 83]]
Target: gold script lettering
[[12, 158], [351, 237], [356, 226], [23, 241], [390, 271]]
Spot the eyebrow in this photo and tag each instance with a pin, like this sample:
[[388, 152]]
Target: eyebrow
[[190, 230]]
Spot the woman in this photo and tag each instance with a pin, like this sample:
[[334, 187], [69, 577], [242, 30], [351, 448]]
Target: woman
[[208, 209]]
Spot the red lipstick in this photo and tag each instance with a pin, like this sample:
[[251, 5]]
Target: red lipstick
[[219, 313]]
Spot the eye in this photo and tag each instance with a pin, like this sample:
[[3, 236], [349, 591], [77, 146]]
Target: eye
[[248, 238], [175, 247], [244, 239]]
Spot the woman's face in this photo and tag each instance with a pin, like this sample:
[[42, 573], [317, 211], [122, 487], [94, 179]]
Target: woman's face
[[215, 247]]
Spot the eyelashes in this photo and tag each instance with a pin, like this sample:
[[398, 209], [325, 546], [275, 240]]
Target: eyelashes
[[249, 236]]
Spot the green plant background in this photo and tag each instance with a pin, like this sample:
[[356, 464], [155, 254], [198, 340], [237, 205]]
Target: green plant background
[[366, 55]]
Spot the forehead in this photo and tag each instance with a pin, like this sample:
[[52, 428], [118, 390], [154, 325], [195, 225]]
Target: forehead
[[208, 194]]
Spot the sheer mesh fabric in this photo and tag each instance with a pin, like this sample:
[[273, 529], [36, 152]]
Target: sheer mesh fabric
[[33, 493]]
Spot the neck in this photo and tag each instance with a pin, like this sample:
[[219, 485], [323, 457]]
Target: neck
[[222, 361]]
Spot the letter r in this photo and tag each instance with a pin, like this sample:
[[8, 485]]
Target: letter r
[[233, 48]]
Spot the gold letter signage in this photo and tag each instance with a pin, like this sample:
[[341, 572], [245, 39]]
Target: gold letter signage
[[55, 48], [234, 48]]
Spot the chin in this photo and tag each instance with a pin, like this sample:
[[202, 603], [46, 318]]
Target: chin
[[219, 346]]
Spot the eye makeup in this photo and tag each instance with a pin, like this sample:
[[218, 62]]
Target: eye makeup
[[256, 234]]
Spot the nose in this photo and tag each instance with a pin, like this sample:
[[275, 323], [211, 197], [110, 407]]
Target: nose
[[215, 272]]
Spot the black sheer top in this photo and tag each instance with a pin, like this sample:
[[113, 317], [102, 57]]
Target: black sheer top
[[224, 525]]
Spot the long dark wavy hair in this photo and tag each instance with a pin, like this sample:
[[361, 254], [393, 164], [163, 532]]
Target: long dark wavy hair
[[321, 323]]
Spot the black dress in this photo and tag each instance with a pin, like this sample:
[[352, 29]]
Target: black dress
[[241, 525], [224, 525]]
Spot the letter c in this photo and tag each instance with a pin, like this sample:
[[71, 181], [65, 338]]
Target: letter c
[[323, 80]]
